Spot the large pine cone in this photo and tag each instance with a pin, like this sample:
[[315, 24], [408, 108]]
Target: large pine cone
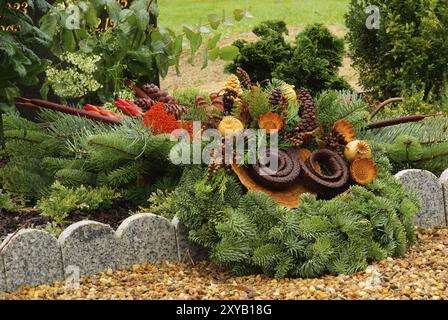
[[276, 97], [244, 77], [228, 99], [175, 109], [144, 103], [307, 112], [157, 94]]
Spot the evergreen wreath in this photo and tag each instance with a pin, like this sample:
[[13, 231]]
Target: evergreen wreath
[[358, 213]]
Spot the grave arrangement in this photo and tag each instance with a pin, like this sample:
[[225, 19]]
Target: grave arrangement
[[333, 205]]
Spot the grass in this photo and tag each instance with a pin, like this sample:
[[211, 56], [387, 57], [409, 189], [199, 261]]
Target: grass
[[174, 13]]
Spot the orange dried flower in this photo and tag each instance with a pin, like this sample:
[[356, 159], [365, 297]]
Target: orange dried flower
[[363, 171], [345, 129], [270, 121], [159, 120]]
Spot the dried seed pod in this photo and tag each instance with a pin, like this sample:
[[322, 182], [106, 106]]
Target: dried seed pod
[[157, 94], [363, 171], [270, 121], [357, 149], [229, 98], [345, 130]]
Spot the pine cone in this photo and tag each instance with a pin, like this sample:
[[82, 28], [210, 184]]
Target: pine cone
[[335, 142], [144, 103], [298, 138], [307, 112], [276, 97], [175, 109], [243, 113], [232, 83], [157, 94], [228, 100], [244, 77]]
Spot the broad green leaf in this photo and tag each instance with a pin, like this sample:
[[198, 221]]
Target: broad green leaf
[[195, 40], [228, 53], [158, 46], [68, 40], [48, 24], [238, 14], [11, 92], [113, 9], [213, 41], [142, 19], [214, 20], [44, 90], [213, 54], [91, 16], [4, 107]]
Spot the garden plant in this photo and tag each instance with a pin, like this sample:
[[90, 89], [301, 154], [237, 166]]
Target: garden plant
[[284, 170]]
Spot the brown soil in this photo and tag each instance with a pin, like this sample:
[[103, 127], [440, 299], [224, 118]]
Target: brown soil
[[11, 222], [212, 78]]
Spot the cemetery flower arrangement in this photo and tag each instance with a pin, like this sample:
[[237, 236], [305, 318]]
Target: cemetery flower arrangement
[[320, 196], [332, 206]]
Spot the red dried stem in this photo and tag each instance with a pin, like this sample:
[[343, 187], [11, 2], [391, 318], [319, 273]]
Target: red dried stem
[[139, 92], [68, 110], [401, 120]]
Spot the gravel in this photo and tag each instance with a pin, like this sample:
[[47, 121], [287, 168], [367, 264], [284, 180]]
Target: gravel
[[422, 274]]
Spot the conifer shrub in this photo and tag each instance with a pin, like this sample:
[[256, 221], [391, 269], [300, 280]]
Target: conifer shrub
[[250, 233], [63, 200], [311, 61], [406, 53], [261, 58]]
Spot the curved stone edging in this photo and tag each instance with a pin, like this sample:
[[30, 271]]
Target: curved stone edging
[[32, 257], [444, 182], [428, 186], [146, 238], [90, 247]]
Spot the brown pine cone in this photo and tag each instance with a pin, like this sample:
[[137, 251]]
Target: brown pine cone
[[244, 77], [276, 97], [335, 142], [298, 138], [157, 94], [144, 103], [228, 100], [175, 109], [307, 112]]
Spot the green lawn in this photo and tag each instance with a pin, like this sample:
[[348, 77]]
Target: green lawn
[[174, 13]]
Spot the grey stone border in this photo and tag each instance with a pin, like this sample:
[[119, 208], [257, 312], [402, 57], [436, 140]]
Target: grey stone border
[[32, 257]]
